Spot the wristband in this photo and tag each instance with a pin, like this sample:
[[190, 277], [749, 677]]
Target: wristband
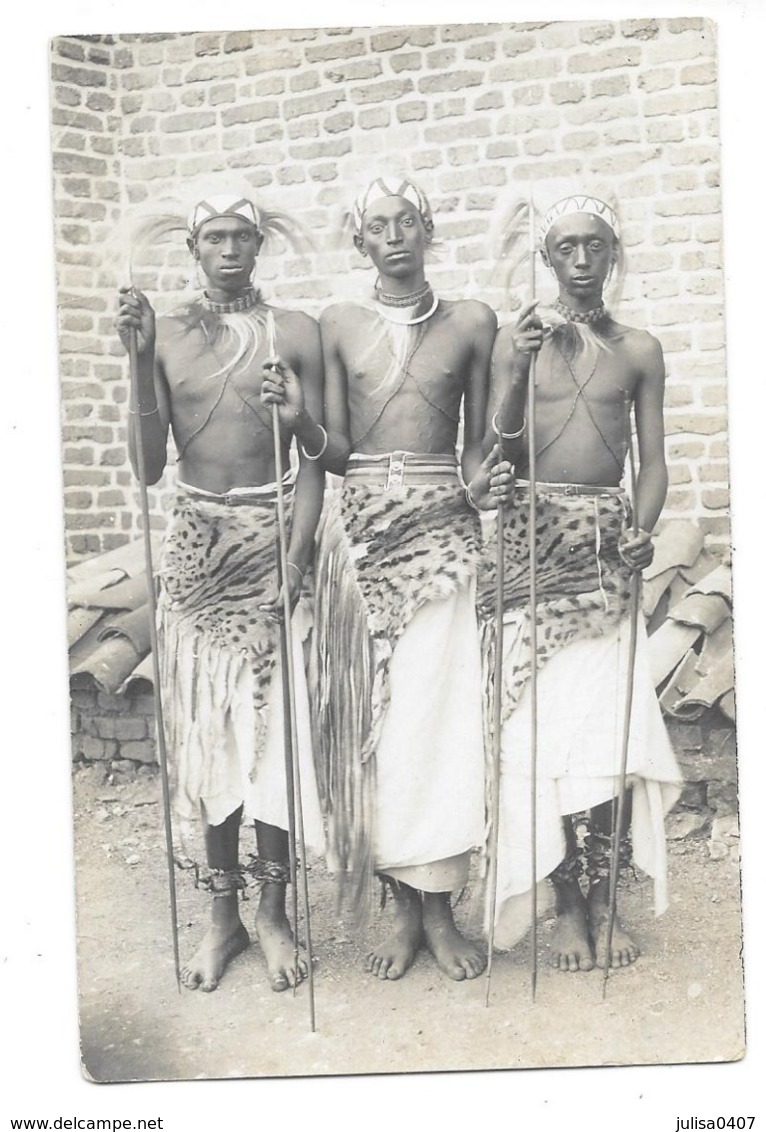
[[507, 435], [322, 450]]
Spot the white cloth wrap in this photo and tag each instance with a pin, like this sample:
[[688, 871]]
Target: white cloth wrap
[[430, 759], [581, 693]]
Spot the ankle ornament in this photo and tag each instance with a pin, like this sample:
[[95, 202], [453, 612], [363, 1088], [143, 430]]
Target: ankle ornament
[[220, 882], [261, 871], [598, 855], [569, 869]]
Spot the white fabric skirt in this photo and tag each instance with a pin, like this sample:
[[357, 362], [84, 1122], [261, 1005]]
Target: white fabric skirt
[[257, 779], [430, 758], [581, 694]]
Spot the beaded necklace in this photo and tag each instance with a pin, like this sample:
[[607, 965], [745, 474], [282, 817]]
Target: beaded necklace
[[244, 302], [591, 316], [389, 316], [401, 300]]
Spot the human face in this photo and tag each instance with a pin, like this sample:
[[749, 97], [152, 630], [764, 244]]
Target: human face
[[395, 238], [226, 248], [581, 249]]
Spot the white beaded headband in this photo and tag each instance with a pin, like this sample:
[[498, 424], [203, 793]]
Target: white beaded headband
[[569, 206], [390, 187], [215, 206]]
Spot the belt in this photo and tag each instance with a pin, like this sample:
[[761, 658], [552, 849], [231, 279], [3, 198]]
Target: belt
[[590, 489], [242, 496], [398, 469]]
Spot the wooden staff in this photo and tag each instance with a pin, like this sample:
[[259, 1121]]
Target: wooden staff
[[497, 724], [158, 713], [532, 476], [295, 832], [635, 593]]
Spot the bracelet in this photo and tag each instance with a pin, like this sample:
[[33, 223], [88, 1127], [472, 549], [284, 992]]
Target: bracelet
[[507, 435], [470, 499], [322, 450], [297, 570], [151, 412]]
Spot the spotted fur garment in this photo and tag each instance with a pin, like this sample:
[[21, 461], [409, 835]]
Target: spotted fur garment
[[218, 567], [582, 584], [381, 556]]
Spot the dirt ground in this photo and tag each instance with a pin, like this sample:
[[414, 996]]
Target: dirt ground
[[682, 1002]]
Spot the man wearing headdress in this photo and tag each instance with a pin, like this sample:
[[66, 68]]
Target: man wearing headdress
[[399, 720], [590, 371], [199, 374]]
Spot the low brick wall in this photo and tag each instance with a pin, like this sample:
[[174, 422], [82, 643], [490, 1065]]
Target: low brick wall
[[707, 754], [112, 729]]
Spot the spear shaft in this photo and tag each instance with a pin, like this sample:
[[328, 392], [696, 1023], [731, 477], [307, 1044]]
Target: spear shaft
[[635, 592], [152, 603], [497, 723], [296, 834], [532, 530]]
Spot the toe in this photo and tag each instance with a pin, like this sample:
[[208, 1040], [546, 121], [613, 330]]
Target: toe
[[279, 982], [394, 972], [456, 972], [208, 985], [474, 966]]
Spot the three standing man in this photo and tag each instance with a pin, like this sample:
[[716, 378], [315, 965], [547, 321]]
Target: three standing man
[[397, 693]]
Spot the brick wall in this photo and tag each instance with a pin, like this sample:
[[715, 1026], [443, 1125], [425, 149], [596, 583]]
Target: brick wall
[[478, 112], [110, 728]]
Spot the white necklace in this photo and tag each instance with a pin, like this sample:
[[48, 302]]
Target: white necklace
[[388, 314]]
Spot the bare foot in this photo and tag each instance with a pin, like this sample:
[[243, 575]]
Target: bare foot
[[286, 967], [221, 944], [570, 946], [455, 956], [624, 950], [396, 954]]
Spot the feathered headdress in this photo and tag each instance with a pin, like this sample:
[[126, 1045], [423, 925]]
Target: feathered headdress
[[163, 220]]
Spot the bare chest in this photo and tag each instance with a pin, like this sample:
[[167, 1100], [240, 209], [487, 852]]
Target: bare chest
[[379, 355], [204, 366], [603, 378]]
